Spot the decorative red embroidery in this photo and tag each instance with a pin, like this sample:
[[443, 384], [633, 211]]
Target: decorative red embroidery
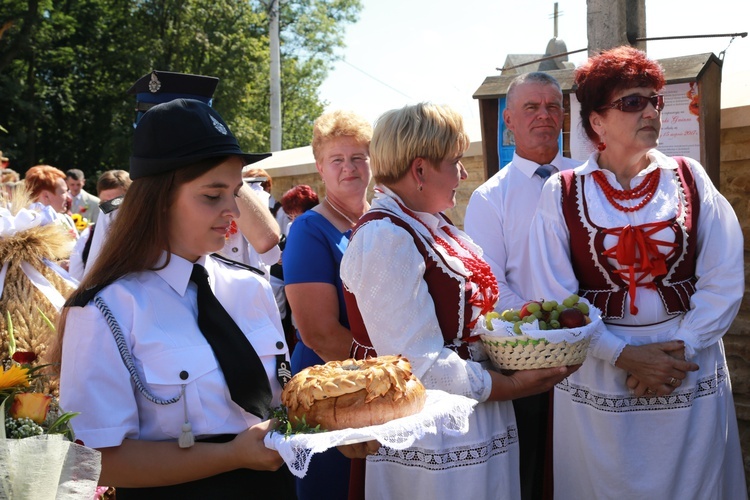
[[480, 273], [639, 253]]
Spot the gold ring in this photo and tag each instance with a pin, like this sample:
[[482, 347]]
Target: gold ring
[[650, 392], [673, 382]]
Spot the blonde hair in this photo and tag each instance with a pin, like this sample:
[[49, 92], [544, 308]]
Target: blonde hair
[[339, 124], [422, 130]]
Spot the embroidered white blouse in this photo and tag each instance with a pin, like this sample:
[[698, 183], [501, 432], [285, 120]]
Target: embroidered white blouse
[[719, 264], [383, 264]]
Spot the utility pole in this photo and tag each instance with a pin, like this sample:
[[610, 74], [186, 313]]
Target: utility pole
[[556, 15], [274, 45], [611, 23]]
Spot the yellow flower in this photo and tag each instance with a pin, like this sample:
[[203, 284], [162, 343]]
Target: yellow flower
[[33, 405], [80, 221], [15, 376]]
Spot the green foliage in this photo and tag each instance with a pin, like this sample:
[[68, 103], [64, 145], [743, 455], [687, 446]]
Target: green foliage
[[65, 68], [287, 428]]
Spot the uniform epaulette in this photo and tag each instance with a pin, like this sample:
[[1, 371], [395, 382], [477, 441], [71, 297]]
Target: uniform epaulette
[[234, 263], [111, 205]]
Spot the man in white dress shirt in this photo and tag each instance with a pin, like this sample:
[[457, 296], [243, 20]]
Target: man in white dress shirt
[[498, 218]]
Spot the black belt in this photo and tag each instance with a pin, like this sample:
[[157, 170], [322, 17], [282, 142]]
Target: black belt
[[240, 483]]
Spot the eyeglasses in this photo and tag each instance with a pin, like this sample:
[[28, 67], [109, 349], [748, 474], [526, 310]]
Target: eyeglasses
[[634, 103]]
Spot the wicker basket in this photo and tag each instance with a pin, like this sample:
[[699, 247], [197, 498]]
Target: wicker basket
[[522, 352]]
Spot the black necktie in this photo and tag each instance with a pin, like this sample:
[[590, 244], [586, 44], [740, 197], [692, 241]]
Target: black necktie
[[242, 368], [544, 171]]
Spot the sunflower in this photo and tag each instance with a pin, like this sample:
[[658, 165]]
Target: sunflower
[[80, 221], [14, 377]]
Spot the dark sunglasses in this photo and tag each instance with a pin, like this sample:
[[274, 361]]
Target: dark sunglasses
[[634, 103]]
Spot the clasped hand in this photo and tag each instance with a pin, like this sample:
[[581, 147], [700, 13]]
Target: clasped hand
[[655, 369]]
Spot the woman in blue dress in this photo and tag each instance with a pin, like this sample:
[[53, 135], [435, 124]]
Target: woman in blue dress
[[312, 257]]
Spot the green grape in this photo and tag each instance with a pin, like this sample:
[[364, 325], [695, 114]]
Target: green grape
[[529, 319], [553, 315], [542, 325], [533, 307], [554, 324], [549, 305], [488, 319], [571, 301], [538, 314], [583, 307], [560, 308], [515, 318], [508, 315], [517, 327]]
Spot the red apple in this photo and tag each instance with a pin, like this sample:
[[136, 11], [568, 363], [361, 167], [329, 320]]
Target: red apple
[[572, 318], [525, 309]]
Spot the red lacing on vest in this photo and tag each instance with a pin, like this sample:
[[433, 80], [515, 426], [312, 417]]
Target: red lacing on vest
[[639, 253]]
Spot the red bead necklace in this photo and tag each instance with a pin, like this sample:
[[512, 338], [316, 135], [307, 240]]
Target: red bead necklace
[[479, 271], [646, 189]]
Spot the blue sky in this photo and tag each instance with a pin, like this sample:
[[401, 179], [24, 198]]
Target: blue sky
[[406, 51]]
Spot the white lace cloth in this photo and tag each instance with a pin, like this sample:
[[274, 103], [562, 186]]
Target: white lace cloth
[[47, 466], [443, 413], [571, 335]]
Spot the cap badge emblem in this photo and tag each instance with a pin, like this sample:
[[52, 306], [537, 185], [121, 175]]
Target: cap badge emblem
[[218, 126], [154, 85]]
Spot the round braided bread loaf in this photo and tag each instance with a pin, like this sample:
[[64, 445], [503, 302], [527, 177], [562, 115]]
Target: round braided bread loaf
[[354, 393]]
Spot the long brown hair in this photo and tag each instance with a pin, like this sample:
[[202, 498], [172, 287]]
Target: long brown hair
[[137, 236]]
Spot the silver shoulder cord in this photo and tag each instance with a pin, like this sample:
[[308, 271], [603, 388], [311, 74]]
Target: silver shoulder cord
[[127, 358]]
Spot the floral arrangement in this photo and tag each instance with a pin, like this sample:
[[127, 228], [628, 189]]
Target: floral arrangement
[[29, 410], [38, 455], [80, 221]]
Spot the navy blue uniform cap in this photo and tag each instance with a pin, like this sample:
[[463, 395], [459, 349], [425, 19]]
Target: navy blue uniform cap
[[164, 86], [180, 133]]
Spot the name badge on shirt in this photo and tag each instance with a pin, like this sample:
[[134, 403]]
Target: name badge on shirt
[[283, 370]]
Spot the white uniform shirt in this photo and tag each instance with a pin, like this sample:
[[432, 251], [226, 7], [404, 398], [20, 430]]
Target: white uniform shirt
[[103, 222], [498, 218], [157, 312], [75, 263]]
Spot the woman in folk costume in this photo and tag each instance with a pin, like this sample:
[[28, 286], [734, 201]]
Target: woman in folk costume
[[173, 356], [650, 241], [416, 285]]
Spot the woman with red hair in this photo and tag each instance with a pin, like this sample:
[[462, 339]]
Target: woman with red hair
[[46, 185], [47, 188], [299, 200], [650, 413]]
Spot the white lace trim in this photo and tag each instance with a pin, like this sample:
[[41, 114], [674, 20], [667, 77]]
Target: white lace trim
[[443, 413], [461, 456]]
